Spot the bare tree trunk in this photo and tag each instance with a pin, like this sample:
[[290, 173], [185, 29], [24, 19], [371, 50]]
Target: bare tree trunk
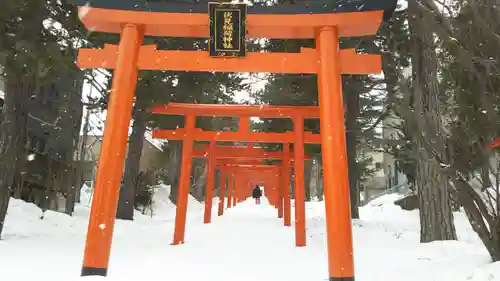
[[320, 188], [174, 168], [125, 209], [7, 174], [48, 184], [216, 183], [81, 157], [13, 139], [73, 192], [308, 166], [436, 216], [199, 179]]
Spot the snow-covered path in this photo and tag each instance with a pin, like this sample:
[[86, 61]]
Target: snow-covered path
[[238, 246], [247, 243]]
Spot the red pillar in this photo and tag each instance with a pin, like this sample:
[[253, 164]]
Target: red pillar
[[300, 208], [112, 156], [333, 146], [209, 194], [270, 192], [184, 181], [236, 186], [286, 185], [279, 194], [241, 190], [222, 190], [248, 191], [230, 190]]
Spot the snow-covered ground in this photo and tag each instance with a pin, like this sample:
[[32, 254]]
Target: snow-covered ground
[[247, 243]]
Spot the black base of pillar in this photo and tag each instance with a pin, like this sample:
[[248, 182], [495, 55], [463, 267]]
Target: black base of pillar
[[341, 278], [93, 271]]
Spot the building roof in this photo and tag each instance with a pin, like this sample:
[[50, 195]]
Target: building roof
[[158, 144], [154, 142]]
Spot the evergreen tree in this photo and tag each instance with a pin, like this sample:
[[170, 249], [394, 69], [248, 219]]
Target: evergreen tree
[[470, 82], [36, 49], [436, 217]]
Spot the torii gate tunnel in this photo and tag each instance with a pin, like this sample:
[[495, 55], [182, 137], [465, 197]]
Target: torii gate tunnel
[[241, 174], [189, 134], [247, 157], [245, 179], [283, 201], [321, 20]]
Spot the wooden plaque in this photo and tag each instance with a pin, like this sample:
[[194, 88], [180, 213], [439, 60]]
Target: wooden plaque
[[227, 29]]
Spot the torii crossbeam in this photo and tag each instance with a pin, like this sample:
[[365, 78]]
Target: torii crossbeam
[[242, 152], [297, 113]]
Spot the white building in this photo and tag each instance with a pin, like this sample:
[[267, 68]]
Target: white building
[[388, 177], [393, 176], [376, 184]]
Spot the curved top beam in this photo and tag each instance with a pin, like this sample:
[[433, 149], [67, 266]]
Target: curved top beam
[[300, 21], [228, 110], [201, 6]]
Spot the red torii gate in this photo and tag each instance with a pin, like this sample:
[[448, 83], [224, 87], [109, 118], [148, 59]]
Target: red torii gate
[[326, 25], [267, 175], [240, 154], [241, 171], [297, 113], [222, 165], [189, 134], [285, 172], [270, 179]]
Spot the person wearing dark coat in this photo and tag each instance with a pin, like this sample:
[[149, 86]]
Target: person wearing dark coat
[[256, 194]]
